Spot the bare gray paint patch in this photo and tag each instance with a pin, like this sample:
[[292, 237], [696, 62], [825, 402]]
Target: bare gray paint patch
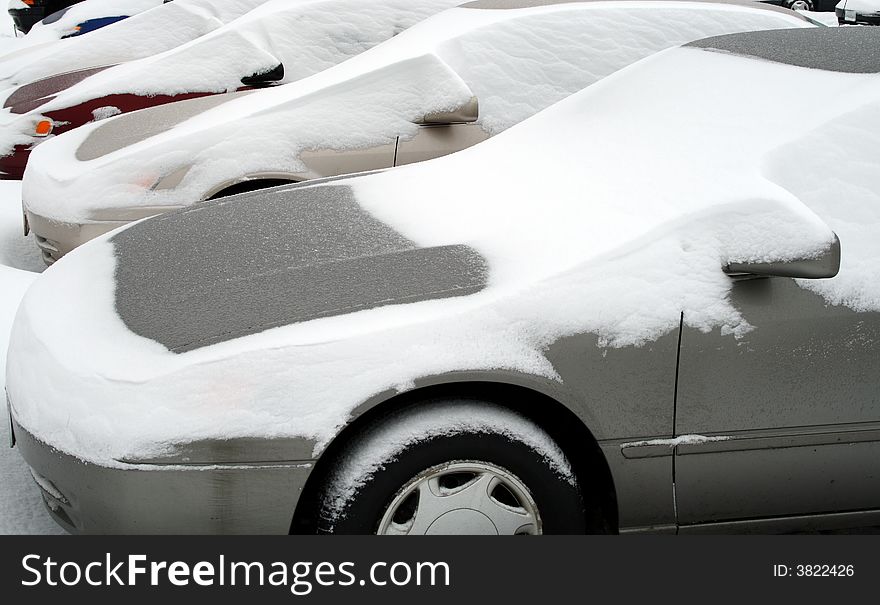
[[242, 265], [849, 50]]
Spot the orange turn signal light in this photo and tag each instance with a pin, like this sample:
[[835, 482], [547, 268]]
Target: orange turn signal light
[[43, 128]]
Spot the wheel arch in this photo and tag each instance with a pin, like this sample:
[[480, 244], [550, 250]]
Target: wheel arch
[[252, 183], [561, 423]]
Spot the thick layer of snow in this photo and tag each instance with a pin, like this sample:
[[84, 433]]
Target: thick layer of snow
[[163, 27], [646, 185], [516, 61], [420, 85], [847, 197], [8, 38], [16, 251], [306, 36], [21, 508], [384, 443]]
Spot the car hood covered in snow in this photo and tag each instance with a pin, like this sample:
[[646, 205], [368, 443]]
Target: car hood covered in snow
[[650, 182], [515, 61]]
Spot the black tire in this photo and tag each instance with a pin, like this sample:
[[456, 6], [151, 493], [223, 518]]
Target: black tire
[[445, 438]]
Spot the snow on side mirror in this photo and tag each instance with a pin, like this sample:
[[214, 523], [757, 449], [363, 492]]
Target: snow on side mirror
[[466, 113], [822, 267], [265, 78]]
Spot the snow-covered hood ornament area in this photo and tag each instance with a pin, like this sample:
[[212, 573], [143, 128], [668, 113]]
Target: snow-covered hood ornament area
[[647, 184]]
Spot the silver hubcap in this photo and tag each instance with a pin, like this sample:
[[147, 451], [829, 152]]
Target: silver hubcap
[[800, 5], [462, 498]]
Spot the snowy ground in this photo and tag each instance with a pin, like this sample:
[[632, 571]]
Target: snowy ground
[[21, 510], [7, 31]]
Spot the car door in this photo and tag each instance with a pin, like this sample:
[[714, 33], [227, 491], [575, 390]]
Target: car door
[[433, 141], [332, 162], [794, 405]]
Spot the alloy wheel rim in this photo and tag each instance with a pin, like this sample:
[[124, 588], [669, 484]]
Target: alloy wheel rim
[[465, 497]]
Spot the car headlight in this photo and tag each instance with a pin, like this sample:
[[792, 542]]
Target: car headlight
[[43, 128]]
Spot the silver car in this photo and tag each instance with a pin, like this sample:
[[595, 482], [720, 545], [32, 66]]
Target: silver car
[[664, 322]]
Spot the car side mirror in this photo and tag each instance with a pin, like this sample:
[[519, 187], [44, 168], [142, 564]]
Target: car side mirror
[[465, 113], [265, 78], [822, 267]]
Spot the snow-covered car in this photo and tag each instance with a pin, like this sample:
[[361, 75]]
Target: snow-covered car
[[46, 70], [650, 325], [156, 30], [26, 13], [448, 83], [44, 20], [278, 42], [852, 12]]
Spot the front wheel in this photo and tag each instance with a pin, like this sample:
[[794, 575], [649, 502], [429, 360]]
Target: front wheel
[[453, 467]]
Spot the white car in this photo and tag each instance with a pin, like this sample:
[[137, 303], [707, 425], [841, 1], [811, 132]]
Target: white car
[[448, 83], [852, 12]]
